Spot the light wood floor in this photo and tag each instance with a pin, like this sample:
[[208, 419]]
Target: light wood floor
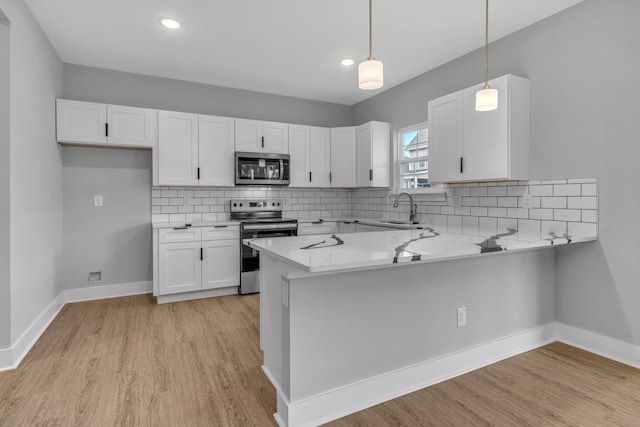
[[127, 361]]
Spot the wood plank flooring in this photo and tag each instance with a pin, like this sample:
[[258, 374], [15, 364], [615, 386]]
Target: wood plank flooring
[[127, 361]]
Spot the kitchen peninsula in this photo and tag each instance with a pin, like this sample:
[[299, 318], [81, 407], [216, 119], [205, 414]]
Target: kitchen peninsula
[[352, 320]]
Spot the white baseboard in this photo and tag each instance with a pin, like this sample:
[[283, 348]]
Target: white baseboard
[[11, 358], [107, 291], [334, 404], [602, 345], [187, 296]]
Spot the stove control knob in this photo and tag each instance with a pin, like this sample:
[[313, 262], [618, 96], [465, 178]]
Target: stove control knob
[[278, 203], [273, 204], [235, 204], [240, 204]]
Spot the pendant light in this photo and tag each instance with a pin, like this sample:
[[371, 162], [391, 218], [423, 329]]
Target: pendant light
[[370, 73], [487, 98]]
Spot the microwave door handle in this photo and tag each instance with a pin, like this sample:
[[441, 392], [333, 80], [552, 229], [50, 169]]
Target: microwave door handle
[[281, 169]]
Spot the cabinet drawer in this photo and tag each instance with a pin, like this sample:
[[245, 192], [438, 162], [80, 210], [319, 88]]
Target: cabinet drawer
[[179, 234], [220, 232], [309, 229]]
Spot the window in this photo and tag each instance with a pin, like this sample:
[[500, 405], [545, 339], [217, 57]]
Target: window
[[412, 160]]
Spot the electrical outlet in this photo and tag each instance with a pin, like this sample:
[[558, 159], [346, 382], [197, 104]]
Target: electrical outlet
[[462, 316], [95, 276], [526, 201], [98, 200]]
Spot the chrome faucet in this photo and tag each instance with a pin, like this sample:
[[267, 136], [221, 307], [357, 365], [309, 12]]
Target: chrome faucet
[[413, 207]]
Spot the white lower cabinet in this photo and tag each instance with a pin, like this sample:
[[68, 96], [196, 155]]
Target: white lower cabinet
[[220, 264], [179, 267], [191, 259]]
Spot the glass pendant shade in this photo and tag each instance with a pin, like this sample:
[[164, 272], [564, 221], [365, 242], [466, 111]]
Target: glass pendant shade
[[370, 75], [486, 99]]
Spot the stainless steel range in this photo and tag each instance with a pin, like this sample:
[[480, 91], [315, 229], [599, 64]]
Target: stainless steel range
[[259, 218]]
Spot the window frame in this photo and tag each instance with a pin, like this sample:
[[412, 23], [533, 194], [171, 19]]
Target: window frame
[[398, 161]]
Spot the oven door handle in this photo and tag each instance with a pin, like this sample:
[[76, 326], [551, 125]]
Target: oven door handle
[[269, 227]]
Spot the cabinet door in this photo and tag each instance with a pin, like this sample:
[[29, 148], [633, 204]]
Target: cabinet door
[[299, 152], [179, 268], [216, 139], [445, 138], [343, 157], [177, 148], [248, 135], [347, 227], [276, 137], [81, 122], [133, 126], [381, 154], [485, 149], [319, 156], [364, 167], [221, 264]]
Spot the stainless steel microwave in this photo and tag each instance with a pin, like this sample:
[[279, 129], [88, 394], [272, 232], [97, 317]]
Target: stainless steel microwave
[[262, 169]]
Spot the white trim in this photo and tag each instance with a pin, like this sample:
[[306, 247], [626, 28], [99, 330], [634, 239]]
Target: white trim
[[107, 291], [187, 296], [14, 355], [608, 347], [351, 398]]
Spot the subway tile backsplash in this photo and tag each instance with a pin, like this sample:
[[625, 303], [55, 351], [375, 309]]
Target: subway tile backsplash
[[534, 208]]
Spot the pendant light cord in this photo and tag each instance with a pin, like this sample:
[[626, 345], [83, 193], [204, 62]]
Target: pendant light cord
[[486, 48], [371, 31]]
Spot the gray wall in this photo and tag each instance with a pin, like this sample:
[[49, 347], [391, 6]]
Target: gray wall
[[115, 87], [36, 169], [116, 238], [585, 101], [5, 249], [123, 253]]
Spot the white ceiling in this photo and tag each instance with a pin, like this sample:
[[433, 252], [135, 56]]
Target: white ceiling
[[286, 47]]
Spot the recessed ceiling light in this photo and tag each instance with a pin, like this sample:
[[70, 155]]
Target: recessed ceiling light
[[347, 62], [170, 23]]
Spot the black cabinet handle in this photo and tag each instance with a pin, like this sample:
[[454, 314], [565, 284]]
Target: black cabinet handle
[[198, 172], [220, 226], [330, 176], [106, 129], [201, 254], [309, 176], [263, 142], [370, 174], [461, 165], [186, 227]]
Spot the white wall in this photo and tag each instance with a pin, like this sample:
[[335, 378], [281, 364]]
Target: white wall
[[585, 101], [116, 238], [5, 250], [36, 169]]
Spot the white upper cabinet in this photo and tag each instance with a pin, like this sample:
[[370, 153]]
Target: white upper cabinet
[[445, 138], [255, 136], [97, 124], [343, 157], [81, 122], [373, 153], [319, 156], [137, 127], [468, 145], [216, 136], [177, 148], [299, 152], [309, 148]]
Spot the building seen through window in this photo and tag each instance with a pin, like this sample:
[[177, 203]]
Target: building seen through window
[[413, 157]]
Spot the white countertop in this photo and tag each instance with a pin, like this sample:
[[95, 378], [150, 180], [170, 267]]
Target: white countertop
[[329, 253]]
